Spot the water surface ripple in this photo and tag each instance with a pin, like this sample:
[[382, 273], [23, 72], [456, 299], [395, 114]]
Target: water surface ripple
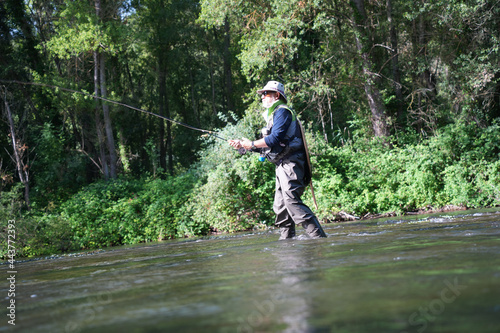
[[436, 273]]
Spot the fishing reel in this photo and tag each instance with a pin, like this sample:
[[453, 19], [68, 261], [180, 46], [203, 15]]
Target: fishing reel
[[262, 156]]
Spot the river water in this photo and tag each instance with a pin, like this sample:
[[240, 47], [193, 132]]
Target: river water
[[434, 273]]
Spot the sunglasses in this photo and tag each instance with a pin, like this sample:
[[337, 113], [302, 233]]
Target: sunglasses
[[265, 93]]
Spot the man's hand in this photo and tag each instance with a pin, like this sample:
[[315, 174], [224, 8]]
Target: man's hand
[[245, 143], [235, 144]]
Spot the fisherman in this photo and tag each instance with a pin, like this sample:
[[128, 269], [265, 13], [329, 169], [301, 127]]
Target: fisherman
[[283, 145]]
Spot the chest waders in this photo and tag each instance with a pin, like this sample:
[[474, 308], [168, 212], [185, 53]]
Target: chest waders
[[298, 141], [293, 174]]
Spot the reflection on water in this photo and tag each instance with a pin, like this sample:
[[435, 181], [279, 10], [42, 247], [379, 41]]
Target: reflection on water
[[427, 274]]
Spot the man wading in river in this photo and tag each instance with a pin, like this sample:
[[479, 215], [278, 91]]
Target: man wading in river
[[282, 144]]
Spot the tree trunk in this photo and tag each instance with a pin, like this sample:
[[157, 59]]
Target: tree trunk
[[130, 80], [100, 63], [396, 74], [423, 88], [193, 99], [377, 107], [98, 121], [169, 136], [212, 80], [107, 120], [165, 152], [227, 65], [427, 80], [162, 93], [325, 135], [19, 151], [122, 143]]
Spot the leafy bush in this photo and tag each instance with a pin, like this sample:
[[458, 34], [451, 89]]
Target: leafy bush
[[59, 171], [237, 190], [129, 211], [95, 213], [12, 209], [457, 167], [35, 233], [51, 234]]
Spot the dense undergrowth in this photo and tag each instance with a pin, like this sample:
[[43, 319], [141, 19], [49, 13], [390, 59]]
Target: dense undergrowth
[[226, 192]]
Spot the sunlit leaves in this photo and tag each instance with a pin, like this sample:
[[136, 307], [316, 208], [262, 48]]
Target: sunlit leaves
[[78, 30]]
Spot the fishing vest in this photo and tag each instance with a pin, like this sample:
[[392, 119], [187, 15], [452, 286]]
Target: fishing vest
[[290, 144]]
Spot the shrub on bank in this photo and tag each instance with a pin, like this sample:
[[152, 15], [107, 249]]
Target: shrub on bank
[[459, 166], [235, 191], [127, 211]]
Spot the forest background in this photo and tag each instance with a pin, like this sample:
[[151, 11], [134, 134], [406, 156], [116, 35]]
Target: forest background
[[400, 99]]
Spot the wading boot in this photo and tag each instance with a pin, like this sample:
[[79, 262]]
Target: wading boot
[[287, 232], [313, 228]]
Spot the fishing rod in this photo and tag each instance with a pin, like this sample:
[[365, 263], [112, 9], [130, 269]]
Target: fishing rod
[[117, 103], [241, 150]]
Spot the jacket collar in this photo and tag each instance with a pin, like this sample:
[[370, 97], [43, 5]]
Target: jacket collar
[[268, 112]]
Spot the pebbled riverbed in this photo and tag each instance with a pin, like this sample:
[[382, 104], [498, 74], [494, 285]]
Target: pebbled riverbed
[[436, 273]]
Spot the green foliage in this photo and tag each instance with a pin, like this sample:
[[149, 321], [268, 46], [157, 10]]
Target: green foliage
[[457, 167], [237, 190], [36, 233], [78, 30], [59, 172], [235, 197], [11, 206], [50, 234], [129, 211]]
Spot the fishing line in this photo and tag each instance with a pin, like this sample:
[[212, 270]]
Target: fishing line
[[241, 150], [117, 103]]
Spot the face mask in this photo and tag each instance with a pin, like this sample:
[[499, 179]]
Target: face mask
[[267, 103]]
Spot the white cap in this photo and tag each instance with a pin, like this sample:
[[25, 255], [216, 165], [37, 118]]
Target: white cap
[[274, 86]]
